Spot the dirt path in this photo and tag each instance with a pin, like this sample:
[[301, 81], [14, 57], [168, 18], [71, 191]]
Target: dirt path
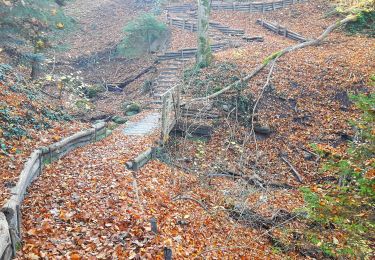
[[85, 201], [89, 206]]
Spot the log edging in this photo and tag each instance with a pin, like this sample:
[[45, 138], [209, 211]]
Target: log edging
[[254, 7], [281, 30], [10, 215]]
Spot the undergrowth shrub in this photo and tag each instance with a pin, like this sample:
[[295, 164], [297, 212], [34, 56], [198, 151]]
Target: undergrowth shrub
[[341, 215], [29, 27], [140, 35], [217, 76], [365, 24], [365, 12]]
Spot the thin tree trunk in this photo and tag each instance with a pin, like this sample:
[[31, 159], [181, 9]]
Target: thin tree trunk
[[35, 69], [204, 54]]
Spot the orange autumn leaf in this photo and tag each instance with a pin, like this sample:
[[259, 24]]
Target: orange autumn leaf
[[75, 256]]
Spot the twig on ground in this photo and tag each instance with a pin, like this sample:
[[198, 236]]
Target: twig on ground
[[181, 197], [135, 185], [294, 171]]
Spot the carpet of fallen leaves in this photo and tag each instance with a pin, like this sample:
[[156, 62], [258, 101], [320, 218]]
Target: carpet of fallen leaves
[[95, 34], [308, 101], [89, 206], [18, 149]]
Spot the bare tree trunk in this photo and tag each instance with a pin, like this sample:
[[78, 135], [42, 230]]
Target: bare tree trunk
[[35, 68], [204, 55], [35, 64]]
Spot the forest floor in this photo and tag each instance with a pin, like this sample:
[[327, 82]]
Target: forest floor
[[89, 206]]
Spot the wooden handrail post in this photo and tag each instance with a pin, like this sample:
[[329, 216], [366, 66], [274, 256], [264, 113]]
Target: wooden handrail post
[[164, 115], [178, 101]]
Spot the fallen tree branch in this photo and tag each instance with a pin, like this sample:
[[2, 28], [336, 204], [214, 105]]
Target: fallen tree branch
[[254, 180], [312, 153], [136, 191], [317, 41], [251, 218], [48, 94], [294, 171], [127, 81], [180, 197]]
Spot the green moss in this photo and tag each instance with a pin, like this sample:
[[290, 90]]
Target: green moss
[[131, 108], [119, 120], [140, 33], [272, 57], [364, 24], [147, 86], [94, 90], [217, 89], [206, 52]]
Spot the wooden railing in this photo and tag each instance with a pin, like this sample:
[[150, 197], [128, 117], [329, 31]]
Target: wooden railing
[[170, 111]]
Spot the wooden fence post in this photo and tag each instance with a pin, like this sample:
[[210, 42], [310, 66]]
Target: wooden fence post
[[164, 118], [40, 163], [95, 134], [50, 154], [178, 88]]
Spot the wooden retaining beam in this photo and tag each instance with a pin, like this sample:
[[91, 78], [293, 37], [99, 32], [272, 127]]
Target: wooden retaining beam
[[254, 6], [226, 30], [6, 249], [140, 160], [280, 30], [10, 230], [180, 8], [183, 24], [251, 7], [187, 53], [253, 38]]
